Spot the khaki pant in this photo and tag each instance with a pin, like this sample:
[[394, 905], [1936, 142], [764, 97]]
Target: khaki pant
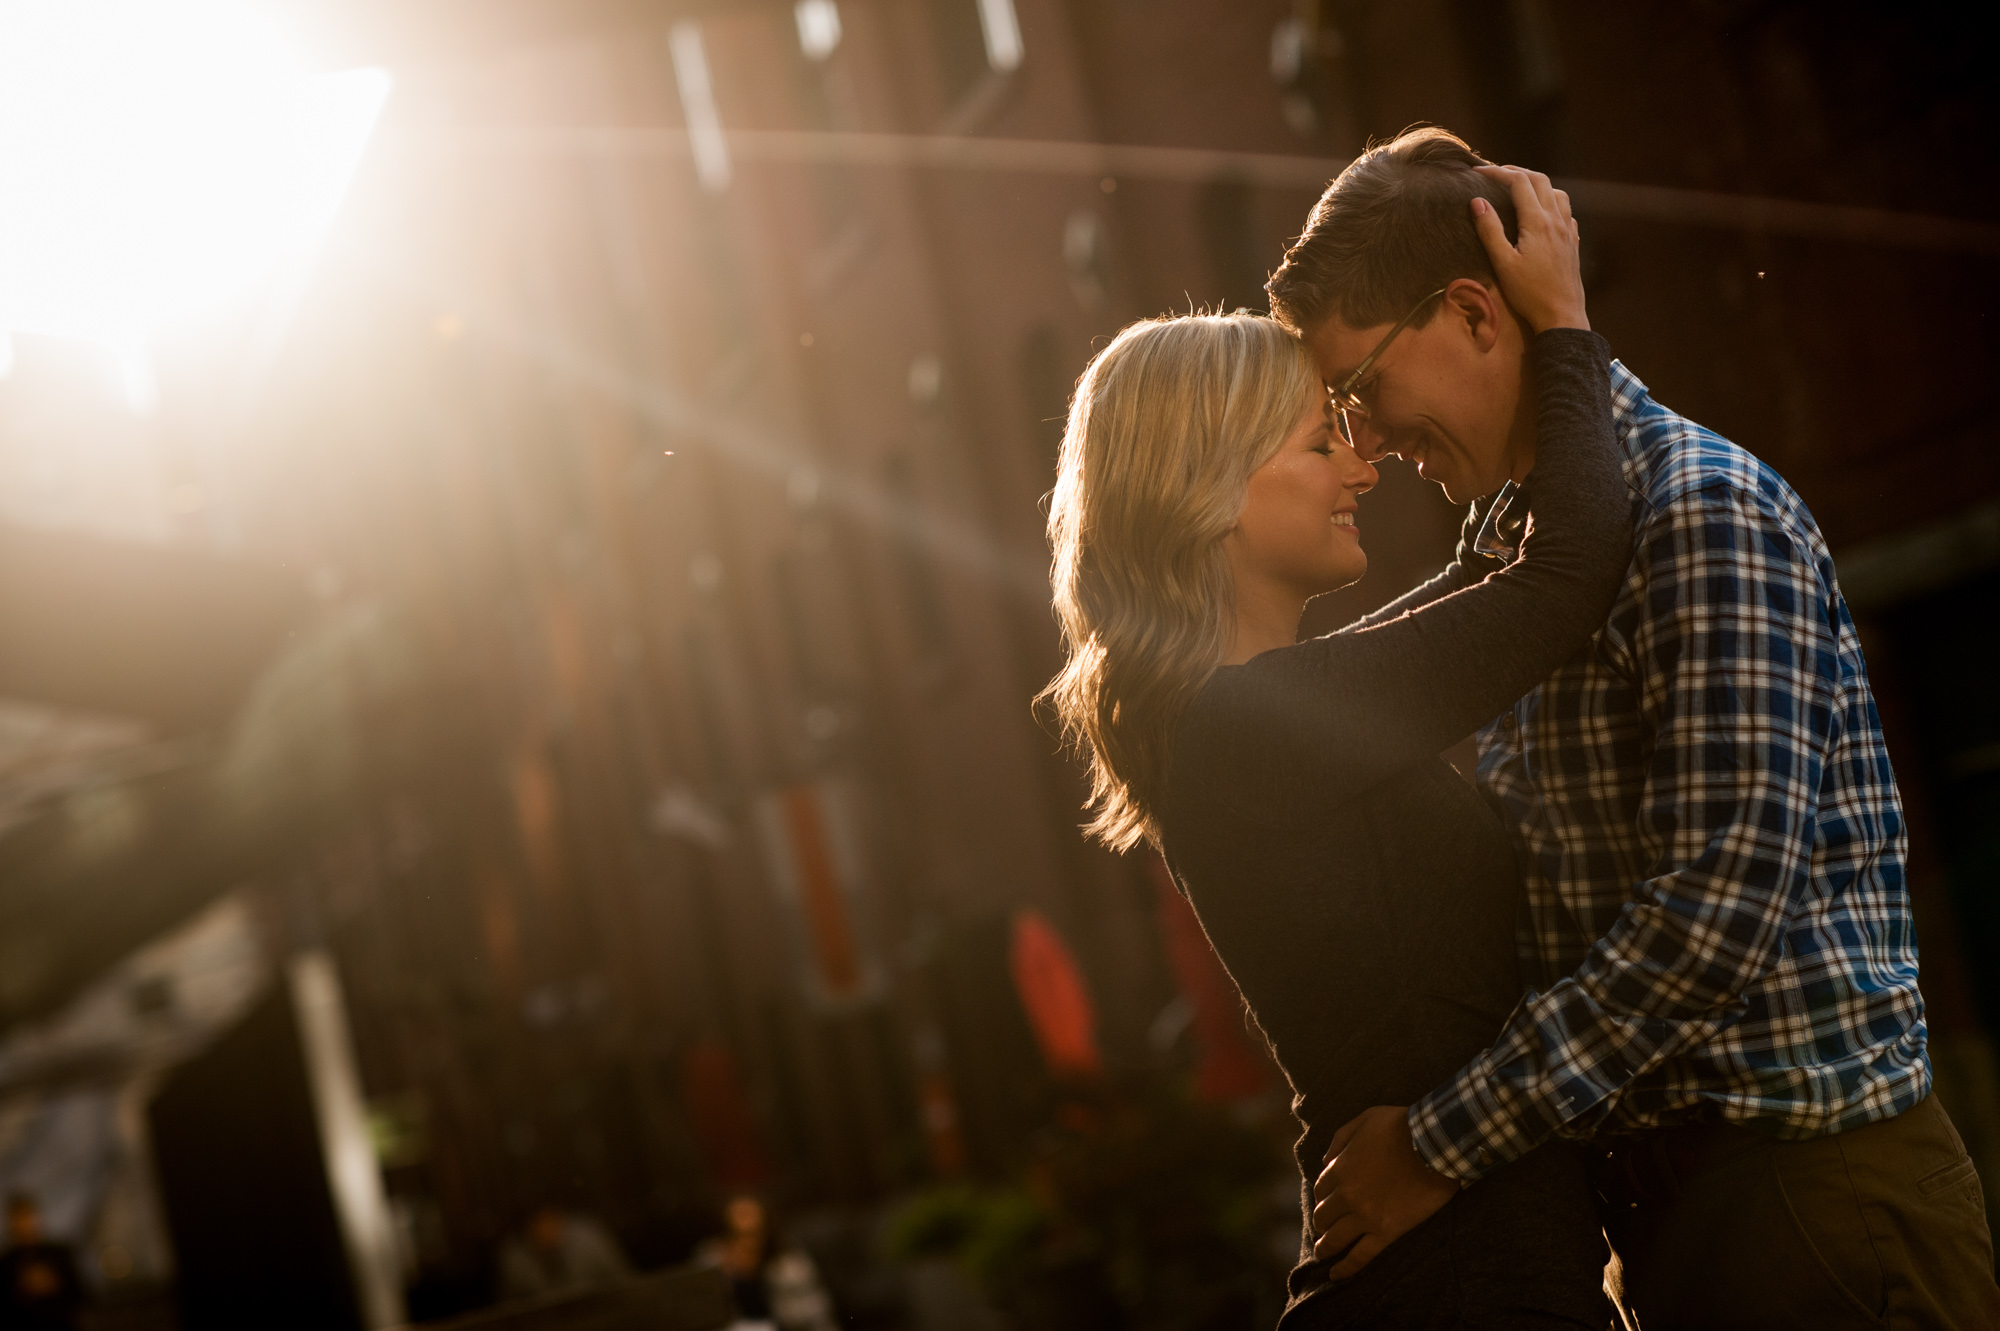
[[1719, 1227]]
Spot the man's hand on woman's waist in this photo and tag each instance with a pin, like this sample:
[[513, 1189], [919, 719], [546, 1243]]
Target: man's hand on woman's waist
[[1375, 1189]]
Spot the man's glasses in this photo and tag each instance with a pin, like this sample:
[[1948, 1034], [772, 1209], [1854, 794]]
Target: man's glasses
[[1348, 408]]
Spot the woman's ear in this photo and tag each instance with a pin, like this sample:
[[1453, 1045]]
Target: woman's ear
[[1479, 309]]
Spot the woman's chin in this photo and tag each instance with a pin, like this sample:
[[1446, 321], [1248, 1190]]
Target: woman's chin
[[1346, 576]]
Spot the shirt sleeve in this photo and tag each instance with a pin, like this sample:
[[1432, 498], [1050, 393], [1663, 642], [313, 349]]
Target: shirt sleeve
[[1734, 646]]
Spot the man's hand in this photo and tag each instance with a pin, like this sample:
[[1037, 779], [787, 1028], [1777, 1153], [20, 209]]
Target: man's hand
[[1375, 1189]]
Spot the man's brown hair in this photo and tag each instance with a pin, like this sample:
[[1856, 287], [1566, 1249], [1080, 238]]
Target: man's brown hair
[[1394, 227]]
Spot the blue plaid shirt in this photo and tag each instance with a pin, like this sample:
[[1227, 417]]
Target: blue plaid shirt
[[1711, 837]]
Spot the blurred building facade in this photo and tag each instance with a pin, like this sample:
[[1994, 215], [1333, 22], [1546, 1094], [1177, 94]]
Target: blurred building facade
[[642, 526]]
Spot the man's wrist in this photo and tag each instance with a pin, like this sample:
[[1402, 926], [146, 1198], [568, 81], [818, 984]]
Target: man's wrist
[[1429, 1166], [1426, 1151]]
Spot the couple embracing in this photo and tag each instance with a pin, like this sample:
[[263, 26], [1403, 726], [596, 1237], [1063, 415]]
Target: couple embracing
[[1655, 980]]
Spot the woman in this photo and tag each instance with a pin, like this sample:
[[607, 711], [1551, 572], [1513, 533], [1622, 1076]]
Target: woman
[[1360, 893]]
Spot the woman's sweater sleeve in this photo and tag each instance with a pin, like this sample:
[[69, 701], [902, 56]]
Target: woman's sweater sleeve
[[1329, 717]]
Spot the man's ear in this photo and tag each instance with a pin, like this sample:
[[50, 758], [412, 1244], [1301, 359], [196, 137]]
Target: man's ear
[[1479, 308]]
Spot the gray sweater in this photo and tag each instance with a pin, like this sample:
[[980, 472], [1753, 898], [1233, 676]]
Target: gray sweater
[[1364, 898]]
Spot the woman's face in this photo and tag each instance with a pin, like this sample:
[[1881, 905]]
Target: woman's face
[[1299, 531]]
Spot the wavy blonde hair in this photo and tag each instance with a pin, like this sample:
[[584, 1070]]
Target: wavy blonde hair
[[1167, 425]]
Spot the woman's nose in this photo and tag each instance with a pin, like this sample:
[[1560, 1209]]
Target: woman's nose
[[1361, 474]]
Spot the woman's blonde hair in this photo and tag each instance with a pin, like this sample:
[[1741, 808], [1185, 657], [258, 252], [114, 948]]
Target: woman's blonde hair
[[1167, 425]]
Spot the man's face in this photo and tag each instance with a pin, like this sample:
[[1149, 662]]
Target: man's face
[[1446, 396]]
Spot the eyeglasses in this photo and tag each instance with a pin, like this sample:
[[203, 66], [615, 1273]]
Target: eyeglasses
[[1342, 395]]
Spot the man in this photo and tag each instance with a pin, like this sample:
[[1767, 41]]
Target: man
[[772, 1286], [560, 1251], [1724, 1008], [39, 1289]]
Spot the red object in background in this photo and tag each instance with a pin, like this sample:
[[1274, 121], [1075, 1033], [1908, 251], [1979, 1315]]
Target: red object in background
[[1229, 1068], [825, 904], [723, 1121], [810, 837], [941, 1134], [1051, 987]]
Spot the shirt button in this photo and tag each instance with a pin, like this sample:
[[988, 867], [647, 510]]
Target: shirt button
[[1485, 1156]]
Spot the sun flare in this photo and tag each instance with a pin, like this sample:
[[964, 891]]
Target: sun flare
[[159, 159]]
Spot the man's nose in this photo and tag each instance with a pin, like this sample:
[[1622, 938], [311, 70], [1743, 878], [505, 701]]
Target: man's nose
[[1370, 443]]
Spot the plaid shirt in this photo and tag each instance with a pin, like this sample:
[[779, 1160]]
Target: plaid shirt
[[1712, 842]]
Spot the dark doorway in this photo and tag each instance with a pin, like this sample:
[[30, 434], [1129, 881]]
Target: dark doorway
[[244, 1185], [1945, 647]]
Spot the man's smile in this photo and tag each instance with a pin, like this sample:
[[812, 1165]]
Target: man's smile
[[1412, 444]]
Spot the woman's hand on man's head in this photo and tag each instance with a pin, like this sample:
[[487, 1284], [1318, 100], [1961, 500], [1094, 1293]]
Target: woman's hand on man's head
[[1540, 275]]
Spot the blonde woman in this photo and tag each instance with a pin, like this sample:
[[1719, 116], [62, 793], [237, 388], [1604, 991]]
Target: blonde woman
[[1360, 893]]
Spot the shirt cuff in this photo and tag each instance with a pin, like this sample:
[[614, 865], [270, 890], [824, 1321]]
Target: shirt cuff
[[1463, 1130], [1506, 1102]]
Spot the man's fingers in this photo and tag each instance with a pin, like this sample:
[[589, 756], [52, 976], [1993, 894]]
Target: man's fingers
[[1345, 1132], [1358, 1257], [1562, 205], [1327, 1181], [1329, 1211], [1338, 1238]]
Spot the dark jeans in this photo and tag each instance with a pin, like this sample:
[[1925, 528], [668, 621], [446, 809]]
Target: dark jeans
[[1717, 1226]]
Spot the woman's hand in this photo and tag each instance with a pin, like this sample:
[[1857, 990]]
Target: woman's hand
[[1540, 276]]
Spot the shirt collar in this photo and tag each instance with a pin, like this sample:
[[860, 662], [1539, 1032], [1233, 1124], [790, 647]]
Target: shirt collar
[[1631, 404], [1632, 409]]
